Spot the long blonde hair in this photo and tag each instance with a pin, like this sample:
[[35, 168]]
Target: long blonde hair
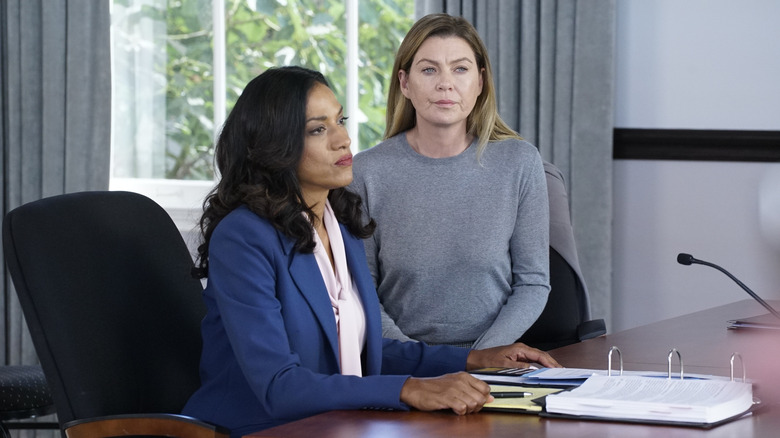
[[484, 121]]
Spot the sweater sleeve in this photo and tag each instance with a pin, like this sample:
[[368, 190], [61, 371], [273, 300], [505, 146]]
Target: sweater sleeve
[[529, 253]]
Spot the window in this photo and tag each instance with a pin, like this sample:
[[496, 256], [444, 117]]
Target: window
[[178, 66]]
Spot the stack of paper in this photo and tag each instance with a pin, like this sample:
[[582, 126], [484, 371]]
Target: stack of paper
[[562, 377], [524, 402], [637, 398]]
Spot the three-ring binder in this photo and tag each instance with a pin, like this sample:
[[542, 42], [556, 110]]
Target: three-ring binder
[[655, 397], [609, 360], [669, 361], [672, 352], [741, 363]]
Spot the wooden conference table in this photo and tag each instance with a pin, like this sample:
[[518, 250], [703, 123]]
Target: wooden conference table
[[702, 339]]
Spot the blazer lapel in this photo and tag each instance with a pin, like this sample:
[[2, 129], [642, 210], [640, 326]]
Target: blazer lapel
[[306, 275], [358, 269]]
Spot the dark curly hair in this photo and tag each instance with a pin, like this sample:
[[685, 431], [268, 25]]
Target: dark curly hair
[[257, 155]]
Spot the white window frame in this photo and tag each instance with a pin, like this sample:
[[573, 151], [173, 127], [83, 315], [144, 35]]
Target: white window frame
[[183, 199]]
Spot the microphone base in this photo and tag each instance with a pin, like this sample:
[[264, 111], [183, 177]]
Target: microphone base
[[766, 321]]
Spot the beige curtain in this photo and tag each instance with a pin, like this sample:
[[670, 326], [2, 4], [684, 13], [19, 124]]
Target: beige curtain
[[553, 65]]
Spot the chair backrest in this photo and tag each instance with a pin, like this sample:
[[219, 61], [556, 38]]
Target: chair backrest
[[559, 322], [568, 305], [103, 279]]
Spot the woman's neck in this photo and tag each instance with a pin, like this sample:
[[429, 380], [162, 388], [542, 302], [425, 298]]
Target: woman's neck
[[315, 200], [316, 203], [438, 143], [318, 223]]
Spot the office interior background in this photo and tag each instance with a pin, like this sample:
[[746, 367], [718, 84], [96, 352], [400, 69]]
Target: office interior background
[[696, 65], [701, 65]]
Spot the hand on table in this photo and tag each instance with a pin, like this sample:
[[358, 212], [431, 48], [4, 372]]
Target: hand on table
[[461, 392], [517, 355]]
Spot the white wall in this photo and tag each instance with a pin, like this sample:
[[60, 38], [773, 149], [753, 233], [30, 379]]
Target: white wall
[[695, 64]]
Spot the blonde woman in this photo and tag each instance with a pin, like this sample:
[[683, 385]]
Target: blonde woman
[[460, 254]]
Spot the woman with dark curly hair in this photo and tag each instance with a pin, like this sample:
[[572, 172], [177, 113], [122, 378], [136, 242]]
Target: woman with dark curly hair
[[293, 327]]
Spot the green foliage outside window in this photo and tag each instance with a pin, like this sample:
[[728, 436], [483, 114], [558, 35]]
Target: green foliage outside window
[[261, 34]]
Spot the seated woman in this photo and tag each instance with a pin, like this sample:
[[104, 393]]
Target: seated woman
[[460, 253], [293, 325]]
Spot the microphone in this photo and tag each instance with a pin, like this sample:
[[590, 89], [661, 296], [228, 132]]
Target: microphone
[[687, 259]]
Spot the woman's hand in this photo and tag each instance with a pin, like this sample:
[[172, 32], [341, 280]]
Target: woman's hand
[[517, 355], [461, 392]]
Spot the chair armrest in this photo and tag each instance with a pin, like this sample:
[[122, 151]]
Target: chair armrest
[[143, 425], [591, 329]]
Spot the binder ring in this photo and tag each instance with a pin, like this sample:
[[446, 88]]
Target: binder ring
[[741, 363], [669, 361], [609, 361]]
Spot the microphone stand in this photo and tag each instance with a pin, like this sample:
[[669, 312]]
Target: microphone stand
[[686, 259]]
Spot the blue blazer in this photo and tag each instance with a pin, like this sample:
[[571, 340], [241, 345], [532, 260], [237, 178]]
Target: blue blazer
[[270, 347]]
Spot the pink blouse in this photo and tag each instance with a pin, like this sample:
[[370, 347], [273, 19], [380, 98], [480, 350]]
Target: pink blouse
[[347, 307]]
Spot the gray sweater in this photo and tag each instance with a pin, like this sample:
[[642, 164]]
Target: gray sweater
[[461, 250]]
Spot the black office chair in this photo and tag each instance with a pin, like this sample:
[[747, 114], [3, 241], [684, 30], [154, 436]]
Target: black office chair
[[565, 319], [24, 395], [104, 282]]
